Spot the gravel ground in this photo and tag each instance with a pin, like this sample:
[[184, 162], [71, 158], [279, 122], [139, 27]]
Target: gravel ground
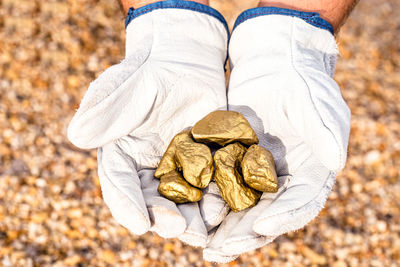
[[51, 209]]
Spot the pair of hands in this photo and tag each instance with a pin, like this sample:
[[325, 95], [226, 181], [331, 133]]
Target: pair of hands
[[172, 76]]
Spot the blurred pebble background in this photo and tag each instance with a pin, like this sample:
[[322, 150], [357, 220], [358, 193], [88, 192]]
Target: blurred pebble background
[[51, 209]]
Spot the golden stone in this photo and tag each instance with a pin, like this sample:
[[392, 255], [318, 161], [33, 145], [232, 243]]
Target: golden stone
[[229, 180], [175, 188], [258, 168], [193, 159], [223, 127]]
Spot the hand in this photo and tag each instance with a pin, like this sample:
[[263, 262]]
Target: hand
[[172, 76], [281, 81]]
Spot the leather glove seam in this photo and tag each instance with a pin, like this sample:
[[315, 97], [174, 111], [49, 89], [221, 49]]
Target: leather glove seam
[[237, 239], [148, 155], [293, 211], [266, 239], [301, 76], [193, 233], [220, 254], [219, 214]]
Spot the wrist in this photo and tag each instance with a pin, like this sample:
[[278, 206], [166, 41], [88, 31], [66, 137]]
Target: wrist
[[126, 4]]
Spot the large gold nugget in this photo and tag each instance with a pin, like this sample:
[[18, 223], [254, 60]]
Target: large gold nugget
[[229, 180], [196, 162], [175, 188], [193, 159], [258, 168], [224, 127]]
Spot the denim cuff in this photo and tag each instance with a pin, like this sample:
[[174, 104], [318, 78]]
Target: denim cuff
[[312, 18], [180, 4]]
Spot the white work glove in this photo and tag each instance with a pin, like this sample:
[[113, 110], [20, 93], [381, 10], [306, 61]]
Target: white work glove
[[283, 62], [172, 76]]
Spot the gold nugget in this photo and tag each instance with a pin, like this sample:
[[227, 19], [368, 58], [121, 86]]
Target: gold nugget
[[229, 180], [258, 168], [224, 127], [193, 159], [175, 188]]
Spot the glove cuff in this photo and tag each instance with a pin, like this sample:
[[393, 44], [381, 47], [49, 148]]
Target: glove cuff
[[312, 18], [179, 31], [180, 4], [286, 37]]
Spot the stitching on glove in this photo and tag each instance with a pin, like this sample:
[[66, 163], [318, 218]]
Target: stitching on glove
[[148, 155], [265, 240], [223, 258], [194, 234], [191, 244], [240, 239], [331, 59], [218, 214]]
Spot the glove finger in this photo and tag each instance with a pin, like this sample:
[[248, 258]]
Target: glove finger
[[167, 221], [116, 103], [121, 190], [216, 255], [321, 117], [223, 231], [241, 237], [303, 199], [195, 233], [216, 251], [212, 206]]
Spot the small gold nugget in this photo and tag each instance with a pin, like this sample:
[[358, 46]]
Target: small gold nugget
[[229, 180], [193, 159], [175, 188], [224, 127], [258, 168]]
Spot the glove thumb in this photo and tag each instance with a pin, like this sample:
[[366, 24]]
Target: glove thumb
[[116, 103]]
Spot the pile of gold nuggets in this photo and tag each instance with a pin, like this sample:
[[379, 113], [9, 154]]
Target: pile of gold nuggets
[[243, 169]]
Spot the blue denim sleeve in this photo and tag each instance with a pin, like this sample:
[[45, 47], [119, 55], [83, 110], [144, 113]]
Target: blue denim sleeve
[[312, 18]]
